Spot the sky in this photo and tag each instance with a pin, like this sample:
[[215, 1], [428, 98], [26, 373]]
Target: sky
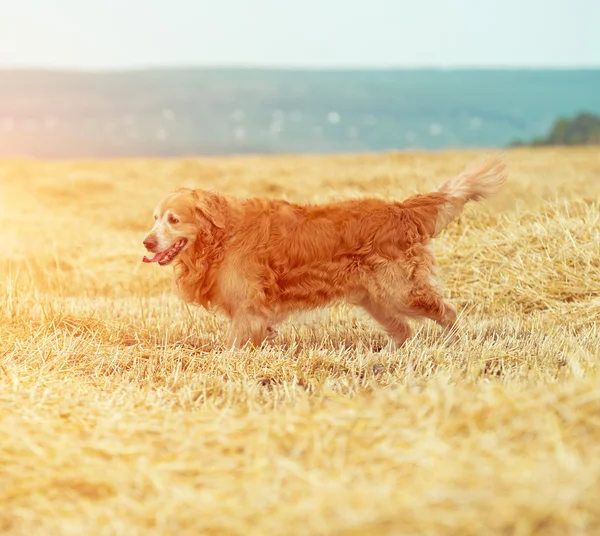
[[107, 34]]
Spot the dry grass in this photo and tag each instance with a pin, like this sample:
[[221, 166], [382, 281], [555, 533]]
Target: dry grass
[[122, 414]]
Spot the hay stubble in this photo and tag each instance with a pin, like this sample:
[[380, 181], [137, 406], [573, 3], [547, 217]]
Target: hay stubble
[[122, 414]]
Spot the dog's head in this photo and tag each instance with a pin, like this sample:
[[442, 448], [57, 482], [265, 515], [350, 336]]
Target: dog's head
[[179, 219]]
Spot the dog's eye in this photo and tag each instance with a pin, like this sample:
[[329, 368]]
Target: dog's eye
[[155, 217], [173, 220]]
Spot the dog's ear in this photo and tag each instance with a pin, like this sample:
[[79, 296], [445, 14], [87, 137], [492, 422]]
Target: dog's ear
[[211, 207]]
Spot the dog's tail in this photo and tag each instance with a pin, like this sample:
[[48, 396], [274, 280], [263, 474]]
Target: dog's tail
[[478, 181]]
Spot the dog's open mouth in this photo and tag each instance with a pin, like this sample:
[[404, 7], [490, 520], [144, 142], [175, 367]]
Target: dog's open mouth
[[165, 257]]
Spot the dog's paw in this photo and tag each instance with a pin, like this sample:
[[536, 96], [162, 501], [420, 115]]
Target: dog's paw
[[272, 334]]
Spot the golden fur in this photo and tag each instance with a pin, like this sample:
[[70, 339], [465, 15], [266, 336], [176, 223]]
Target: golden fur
[[258, 260]]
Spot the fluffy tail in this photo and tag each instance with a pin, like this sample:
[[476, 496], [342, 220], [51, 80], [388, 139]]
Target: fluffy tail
[[478, 181], [432, 212]]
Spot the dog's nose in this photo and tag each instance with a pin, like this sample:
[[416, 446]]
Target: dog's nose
[[149, 243]]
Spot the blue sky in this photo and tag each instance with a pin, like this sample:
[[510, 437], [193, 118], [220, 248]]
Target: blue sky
[[320, 33]]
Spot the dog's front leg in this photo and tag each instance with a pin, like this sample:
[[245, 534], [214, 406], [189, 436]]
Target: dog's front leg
[[248, 328], [272, 334]]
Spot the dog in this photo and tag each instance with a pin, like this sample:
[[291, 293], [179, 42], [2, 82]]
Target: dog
[[258, 260]]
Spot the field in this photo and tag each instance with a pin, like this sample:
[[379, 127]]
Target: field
[[123, 414]]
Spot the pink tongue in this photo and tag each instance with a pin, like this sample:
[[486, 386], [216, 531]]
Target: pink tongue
[[156, 257]]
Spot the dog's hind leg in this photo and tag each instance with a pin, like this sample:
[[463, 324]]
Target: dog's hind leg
[[426, 300], [393, 323], [403, 293]]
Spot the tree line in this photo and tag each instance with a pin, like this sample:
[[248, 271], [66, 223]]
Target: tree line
[[583, 129]]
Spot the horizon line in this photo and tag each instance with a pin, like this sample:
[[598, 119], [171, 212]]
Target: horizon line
[[298, 68]]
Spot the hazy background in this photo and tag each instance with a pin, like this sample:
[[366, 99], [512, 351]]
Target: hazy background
[[151, 77]]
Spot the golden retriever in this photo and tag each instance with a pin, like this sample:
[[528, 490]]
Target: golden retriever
[[258, 260]]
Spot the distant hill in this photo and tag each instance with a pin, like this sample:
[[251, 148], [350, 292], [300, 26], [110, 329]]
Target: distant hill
[[583, 129], [224, 111]]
